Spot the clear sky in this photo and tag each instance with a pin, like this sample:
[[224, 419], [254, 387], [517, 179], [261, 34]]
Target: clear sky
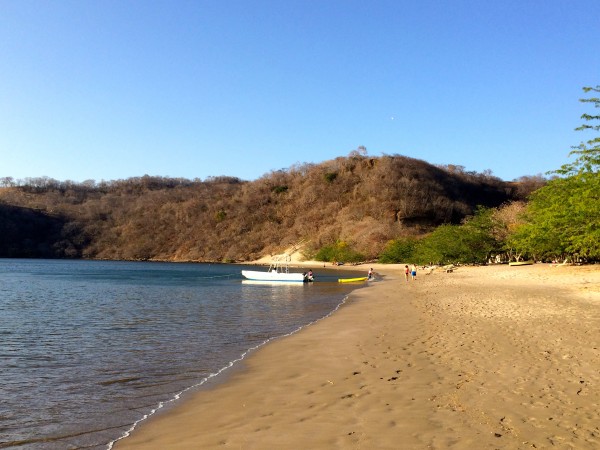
[[112, 89]]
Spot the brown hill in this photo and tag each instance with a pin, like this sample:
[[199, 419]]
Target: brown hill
[[365, 201]]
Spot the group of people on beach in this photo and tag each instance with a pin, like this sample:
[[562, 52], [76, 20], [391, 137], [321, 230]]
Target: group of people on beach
[[412, 271]]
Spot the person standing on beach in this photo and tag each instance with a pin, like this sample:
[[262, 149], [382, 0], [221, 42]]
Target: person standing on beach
[[406, 272], [414, 272]]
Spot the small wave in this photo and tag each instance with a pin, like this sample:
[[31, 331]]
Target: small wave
[[120, 380], [228, 275], [48, 439]]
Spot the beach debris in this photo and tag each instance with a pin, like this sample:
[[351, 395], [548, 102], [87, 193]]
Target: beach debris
[[449, 268]]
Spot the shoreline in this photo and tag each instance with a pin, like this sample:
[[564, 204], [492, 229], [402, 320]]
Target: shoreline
[[485, 357]]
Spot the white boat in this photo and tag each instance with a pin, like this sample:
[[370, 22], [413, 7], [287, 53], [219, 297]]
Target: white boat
[[272, 275], [271, 283], [278, 272]]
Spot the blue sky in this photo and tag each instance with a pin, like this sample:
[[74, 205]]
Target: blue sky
[[113, 89]]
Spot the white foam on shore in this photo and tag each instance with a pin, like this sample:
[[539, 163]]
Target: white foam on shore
[[177, 396]]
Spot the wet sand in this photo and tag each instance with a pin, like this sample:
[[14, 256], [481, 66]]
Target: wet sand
[[485, 357]]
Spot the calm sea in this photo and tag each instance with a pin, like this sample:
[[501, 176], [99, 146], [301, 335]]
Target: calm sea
[[90, 348]]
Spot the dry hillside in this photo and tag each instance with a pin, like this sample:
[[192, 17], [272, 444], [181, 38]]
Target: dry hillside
[[362, 200]]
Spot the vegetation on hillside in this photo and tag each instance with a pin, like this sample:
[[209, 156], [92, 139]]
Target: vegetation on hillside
[[345, 209]]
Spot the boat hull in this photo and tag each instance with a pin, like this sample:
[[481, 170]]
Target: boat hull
[[520, 263], [256, 275]]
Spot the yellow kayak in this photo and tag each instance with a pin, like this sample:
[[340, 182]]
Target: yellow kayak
[[351, 280]]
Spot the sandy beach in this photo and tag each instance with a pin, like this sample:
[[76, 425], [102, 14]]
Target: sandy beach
[[491, 357]]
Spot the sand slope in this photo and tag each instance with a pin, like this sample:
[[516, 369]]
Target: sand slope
[[489, 357]]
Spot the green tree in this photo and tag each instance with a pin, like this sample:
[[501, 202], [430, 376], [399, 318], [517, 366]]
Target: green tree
[[444, 245], [471, 242], [398, 251], [479, 234], [340, 251], [588, 153], [563, 218]]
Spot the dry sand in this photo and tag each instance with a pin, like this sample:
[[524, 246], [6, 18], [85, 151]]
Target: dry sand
[[481, 358]]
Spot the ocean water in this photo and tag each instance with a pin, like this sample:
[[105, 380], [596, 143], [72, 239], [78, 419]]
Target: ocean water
[[88, 349]]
